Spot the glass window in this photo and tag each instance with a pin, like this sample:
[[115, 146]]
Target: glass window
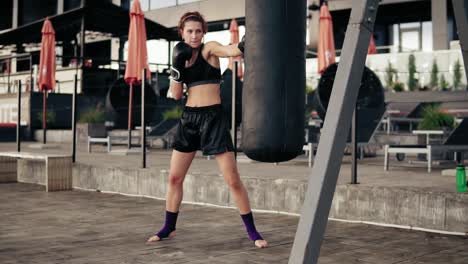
[[412, 25], [427, 36], [145, 5], [155, 4], [181, 2], [410, 40], [395, 38], [412, 36], [157, 51]]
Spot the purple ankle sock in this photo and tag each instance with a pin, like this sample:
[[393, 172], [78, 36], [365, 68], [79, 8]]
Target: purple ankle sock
[[169, 225], [250, 226]]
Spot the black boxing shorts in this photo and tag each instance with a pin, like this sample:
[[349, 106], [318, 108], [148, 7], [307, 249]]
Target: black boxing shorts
[[203, 128]]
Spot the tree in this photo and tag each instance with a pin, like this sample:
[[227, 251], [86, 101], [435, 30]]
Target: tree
[[456, 74], [443, 83], [434, 75], [412, 81], [391, 75]]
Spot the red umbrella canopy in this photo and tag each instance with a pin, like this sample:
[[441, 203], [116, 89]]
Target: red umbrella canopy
[[46, 80], [372, 49], [326, 45], [234, 30], [137, 53]]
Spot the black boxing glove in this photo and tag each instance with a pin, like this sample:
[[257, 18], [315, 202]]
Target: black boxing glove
[[181, 53], [241, 45]]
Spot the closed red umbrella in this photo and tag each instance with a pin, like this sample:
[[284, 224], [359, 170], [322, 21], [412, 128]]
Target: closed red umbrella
[[137, 55], [326, 45], [234, 30], [46, 79], [372, 49]]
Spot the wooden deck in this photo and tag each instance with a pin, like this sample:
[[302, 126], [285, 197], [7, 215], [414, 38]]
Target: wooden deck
[[91, 227]]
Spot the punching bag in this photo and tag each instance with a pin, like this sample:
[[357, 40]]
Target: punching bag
[[273, 97]]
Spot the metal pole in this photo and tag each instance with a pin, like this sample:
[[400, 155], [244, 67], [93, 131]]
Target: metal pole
[[233, 109], [82, 47], [169, 50], [324, 175], [354, 148], [18, 121], [9, 72], [44, 116], [143, 123], [130, 101], [74, 119], [31, 82]]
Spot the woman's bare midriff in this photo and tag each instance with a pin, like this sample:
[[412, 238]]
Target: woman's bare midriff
[[204, 95]]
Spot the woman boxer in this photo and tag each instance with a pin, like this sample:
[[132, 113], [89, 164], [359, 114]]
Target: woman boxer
[[202, 125]]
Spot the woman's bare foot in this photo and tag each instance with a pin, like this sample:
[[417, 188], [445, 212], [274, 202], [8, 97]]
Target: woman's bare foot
[[261, 243], [155, 238]]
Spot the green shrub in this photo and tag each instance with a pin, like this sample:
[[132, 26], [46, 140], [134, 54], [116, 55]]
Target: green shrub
[[398, 87], [434, 75], [434, 119], [50, 117], [457, 75], [391, 75], [412, 81], [443, 83], [93, 116], [174, 113]]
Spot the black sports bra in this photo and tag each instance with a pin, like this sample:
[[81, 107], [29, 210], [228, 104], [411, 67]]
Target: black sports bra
[[201, 72]]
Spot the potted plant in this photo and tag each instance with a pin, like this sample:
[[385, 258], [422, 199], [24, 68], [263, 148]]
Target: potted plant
[[91, 123], [391, 75], [434, 75], [435, 119], [457, 74], [412, 80], [444, 85], [398, 87]]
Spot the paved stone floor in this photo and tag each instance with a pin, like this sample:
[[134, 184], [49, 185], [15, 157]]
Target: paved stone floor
[[90, 227]]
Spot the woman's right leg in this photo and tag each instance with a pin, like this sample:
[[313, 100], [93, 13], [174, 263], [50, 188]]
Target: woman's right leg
[[180, 163]]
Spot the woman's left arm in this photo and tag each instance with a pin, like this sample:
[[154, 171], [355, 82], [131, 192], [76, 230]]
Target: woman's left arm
[[218, 50]]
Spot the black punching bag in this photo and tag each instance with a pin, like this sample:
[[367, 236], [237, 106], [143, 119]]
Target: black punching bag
[[273, 97]]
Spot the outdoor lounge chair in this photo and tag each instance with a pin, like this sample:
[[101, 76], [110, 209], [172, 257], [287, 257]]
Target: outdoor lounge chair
[[457, 141]]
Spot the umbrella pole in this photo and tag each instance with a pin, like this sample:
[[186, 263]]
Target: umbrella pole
[[130, 101], [18, 121], [44, 119], [74, 120], [143, 123]]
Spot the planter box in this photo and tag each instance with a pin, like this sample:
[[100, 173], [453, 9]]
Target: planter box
[[84, 130]]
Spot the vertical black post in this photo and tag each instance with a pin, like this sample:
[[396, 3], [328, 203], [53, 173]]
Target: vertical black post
[[18, 121], [9, 73], [143, 123], [31, 82], [354, 147], [44, 116], [130, 114], [82, 46], [233, 109], [169, 54], [74, 119]]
